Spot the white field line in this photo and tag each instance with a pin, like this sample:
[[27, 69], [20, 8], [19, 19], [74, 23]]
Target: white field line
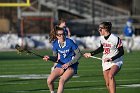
[[26, 76], [41, 76], [21, 64], [22, 68], [131, 85], [44, 76], [11, 83]]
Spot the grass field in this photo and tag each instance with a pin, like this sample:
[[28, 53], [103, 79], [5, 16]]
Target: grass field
[[28, 74]]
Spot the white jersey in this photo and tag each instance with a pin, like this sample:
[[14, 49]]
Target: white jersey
[[110, 47]]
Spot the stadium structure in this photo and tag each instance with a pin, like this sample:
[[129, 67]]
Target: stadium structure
[[83, 16]]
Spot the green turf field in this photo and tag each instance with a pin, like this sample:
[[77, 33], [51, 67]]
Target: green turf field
[[28, 74]]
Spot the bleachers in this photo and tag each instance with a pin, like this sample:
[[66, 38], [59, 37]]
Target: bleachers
[[92, 10], [78, 7], [105, 12]]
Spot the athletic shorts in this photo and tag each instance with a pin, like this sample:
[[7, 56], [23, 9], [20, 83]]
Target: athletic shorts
[[108, 65], [74, 66]]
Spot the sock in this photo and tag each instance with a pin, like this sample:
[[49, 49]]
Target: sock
[[52, 92]]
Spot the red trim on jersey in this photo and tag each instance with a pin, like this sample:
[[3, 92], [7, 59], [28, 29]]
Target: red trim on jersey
[[120, 43]]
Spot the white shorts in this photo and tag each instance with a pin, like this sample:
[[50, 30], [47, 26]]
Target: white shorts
[[107, 65]]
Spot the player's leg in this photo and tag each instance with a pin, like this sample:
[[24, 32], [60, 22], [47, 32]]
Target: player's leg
[[111, 77], [53, 76], [64, 78], [105, 73], [127, 44], [131, 43]]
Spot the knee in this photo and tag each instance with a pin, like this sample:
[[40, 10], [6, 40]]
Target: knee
[[49, 81], [62, 81], [110, 76], [107, 84]]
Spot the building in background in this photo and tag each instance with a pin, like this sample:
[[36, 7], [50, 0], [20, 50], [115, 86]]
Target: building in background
[[82, 16]]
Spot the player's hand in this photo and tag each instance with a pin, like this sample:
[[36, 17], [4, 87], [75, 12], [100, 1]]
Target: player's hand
[[65, 66], [87, 55], [46, 58], [107, 59]]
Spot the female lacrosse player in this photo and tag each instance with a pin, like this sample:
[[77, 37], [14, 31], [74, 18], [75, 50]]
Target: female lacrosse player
[[68, 62], [62, 24], [112, 49]]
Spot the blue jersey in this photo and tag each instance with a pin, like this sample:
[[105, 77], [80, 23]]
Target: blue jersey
[[67, 51], [128, 31]]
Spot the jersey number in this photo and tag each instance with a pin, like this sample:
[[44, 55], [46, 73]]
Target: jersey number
[[64, 55], [106, 50]]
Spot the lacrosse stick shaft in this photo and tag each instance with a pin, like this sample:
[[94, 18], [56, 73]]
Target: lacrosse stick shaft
[[51, 58], [96, 57], [21, 49], [35, 54]]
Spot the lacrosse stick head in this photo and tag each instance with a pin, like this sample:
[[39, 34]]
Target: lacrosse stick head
[[21, 49]]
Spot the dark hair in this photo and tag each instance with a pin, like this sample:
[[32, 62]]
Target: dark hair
[[53, 33], [58, 28], [61, 20], [107, 25]]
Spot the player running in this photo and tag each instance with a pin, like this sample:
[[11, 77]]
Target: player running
[[112, 49], [69, 56], [62, 24]]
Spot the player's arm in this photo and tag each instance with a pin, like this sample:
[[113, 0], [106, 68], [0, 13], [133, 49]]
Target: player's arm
[[51, 58], [120, 53], [76, 58], [54, 57], [120, 49], [69, 33], [97, 51], [92, 53]]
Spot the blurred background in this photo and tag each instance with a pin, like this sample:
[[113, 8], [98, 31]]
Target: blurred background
[[30, 26]]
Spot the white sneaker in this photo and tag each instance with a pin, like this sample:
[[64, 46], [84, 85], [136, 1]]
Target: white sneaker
[[76, 76], [52, 92]]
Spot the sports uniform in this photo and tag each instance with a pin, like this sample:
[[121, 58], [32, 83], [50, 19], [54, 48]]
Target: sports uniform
[[110, 49], [66, 53]]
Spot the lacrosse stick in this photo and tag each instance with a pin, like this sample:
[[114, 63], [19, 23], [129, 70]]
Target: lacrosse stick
[[25, 50], [96, 57]]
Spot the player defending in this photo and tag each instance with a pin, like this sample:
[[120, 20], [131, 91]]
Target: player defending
[[112, 49], [69, 56]]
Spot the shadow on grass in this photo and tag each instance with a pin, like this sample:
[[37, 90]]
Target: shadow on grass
[[66, 88]]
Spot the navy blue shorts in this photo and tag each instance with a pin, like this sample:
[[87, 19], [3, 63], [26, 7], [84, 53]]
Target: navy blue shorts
[[74, 66]]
